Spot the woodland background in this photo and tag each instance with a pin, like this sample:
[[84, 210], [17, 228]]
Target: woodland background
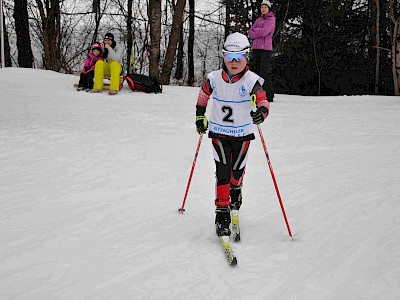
[[330, 47]]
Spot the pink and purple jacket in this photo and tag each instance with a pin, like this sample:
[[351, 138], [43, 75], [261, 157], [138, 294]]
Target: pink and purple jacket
[[91, 60], [262, 31]]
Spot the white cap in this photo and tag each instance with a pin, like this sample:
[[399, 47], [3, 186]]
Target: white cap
[[267, 3], [236, 42]]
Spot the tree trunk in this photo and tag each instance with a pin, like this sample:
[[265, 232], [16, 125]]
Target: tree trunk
[[173, 42], [51, 37], [7, 50], [377, 44], [396, 58], [190, 80], [25, 56], [154, 14], [227, 17], [179, 57], [395, 50], [97, 17], [129, 41]]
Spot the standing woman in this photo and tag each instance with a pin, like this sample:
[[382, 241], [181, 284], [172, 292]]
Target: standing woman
[[261, 33]]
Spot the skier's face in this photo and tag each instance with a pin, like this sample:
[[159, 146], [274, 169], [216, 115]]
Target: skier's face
[[264, 9], [96, 52], [108, 42], [235, 67]]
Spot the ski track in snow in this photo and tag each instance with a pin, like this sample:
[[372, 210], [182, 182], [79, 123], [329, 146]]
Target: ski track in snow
[[90, 187]]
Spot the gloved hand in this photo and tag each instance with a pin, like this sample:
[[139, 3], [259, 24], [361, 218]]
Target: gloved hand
[[201, 124], [86, 70], [258, 115]]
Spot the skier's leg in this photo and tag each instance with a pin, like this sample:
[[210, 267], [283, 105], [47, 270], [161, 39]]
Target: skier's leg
[[266, 73], [255, 61], [222, 156], [82, 82], [99, 75], [89, 80], [239, 159], [115, 72]]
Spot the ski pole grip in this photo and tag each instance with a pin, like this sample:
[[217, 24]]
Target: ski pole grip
[[253, 102]]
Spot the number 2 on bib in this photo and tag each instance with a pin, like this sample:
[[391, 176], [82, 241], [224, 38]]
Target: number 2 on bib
[[228, 110]]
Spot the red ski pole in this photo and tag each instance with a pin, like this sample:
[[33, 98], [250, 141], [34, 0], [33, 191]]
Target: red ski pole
[[253, 105], [182, 209]]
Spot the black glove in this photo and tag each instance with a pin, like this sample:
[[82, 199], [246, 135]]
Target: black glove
[[258, 115], [201, 120], [104, 54], [201, 124]]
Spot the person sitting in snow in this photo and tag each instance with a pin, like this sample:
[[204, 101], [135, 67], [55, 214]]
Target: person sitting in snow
[[112, 66], [87, 74], [232, 126]]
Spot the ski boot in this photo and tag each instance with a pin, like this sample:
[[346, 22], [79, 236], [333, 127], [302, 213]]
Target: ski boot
[[222, 221], [236, 202]]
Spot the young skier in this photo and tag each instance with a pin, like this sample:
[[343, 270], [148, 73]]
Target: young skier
[[87, 74], [232, 126]]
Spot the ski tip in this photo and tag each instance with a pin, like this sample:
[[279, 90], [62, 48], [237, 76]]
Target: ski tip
[[234, 262], [224, 238]]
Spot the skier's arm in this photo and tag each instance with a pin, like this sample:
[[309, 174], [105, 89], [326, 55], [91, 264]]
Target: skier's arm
[[202, 101], [203, 97], [262, 104], [114, 55], [94, 64], [86, 65], [252, 31]]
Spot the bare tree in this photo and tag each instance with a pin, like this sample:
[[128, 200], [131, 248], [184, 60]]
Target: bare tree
[[96, 8], [395, 49], [154, 14], [173, 42], [49, 11], [377, 44], [25, 56], [190, 80], [129, 39], [228, 9], [179, 56], [7, 50]]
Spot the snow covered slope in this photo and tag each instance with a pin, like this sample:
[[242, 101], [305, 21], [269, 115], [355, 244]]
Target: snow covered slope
[[90, 187]]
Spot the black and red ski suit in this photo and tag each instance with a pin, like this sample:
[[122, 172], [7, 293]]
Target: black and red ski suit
[[230, 152]]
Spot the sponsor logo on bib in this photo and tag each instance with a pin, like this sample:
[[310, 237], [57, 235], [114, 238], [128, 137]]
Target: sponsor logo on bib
[[213, 86], [242, 91]]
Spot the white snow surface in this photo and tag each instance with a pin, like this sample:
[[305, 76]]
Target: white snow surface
[[90, 186]]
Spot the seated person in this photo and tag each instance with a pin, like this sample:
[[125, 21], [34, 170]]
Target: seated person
[[87, 74], [112, 66]]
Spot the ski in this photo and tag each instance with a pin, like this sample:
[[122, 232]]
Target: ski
[[235, 225], [226, 245]]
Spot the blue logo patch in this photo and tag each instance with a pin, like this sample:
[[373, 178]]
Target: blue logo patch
[[213, 86], [242, 91]]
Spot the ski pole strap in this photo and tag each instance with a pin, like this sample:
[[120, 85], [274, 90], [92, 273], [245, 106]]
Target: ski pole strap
[[253, 102]]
